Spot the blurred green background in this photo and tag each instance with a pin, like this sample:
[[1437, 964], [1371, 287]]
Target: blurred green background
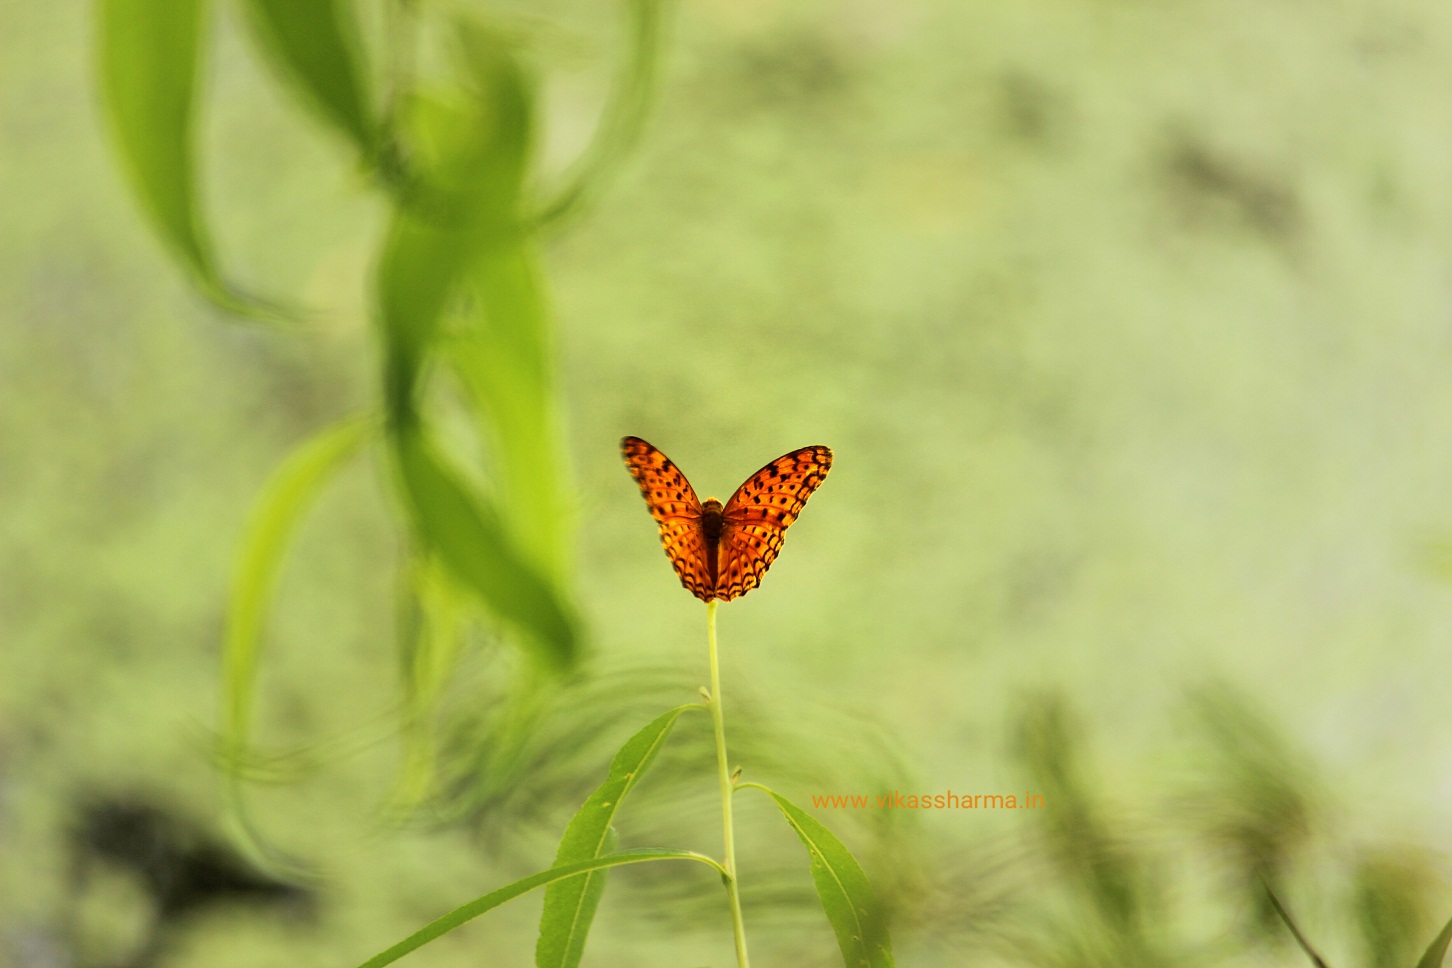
[[1127, 324]]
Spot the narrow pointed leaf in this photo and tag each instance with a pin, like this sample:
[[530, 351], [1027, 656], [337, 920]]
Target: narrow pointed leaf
[[506, 363], [843, 888], [463, 529], [472, 149], [316, 45], [150, 55], [1437, 953], [283, 502], [417, 274], [488, 902], [569, 905]]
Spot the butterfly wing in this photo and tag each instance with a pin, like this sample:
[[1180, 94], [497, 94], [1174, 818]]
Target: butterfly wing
[[675, 507], [758, 514]]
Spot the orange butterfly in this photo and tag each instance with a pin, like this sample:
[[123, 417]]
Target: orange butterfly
[[723, 552]]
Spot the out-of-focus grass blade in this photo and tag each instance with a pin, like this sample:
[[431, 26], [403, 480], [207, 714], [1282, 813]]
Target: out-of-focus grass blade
[[471, 156], [464, 531], [569, 906], [417, 273], [843, 888], [429, 648], [492, 900], [504, 356], [316, 44], [624, 116], [1080, 840], [285, 498], [150, 55], [1391, 894], [275, 517], [505, 363], [1437, 952], [505, 92]]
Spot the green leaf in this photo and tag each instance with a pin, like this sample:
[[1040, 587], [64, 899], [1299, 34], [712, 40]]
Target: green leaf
[[316, 44], [463, 529], [471, 148], [285, 498], [417, 274], [1437, 953], [470, 143], [275, 517], [492, 900], [842, 886], [505, 363], [569, 905], [429, 647], [150, 56]]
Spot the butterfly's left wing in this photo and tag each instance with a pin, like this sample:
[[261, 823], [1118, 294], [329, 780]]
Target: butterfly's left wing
[[675, 507], [758, 514]]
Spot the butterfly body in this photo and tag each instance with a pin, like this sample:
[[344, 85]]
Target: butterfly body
[[713, 525], [721, 551]]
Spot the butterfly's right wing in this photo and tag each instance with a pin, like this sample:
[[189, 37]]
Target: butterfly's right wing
[[758, 514], [674, 505]]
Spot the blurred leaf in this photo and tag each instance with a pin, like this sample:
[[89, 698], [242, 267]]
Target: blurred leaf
[[1257, 801], [464, 531], [275, 517], [504, 361], [569, 906], [473, 909], [506, 91], [624, 115], [1392, 890], [472, 149], [1437, 951], [420, 265], [471, 142], [317, 46], [843, 888], [150, 56], [1079, 839], [429, 651]]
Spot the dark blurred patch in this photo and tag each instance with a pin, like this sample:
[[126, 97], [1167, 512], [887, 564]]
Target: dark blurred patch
[[1211, 188], [1255, 802], [787, 72], [1393, 889], [182, 868], [294, 379], [1037, 581], [1032, 112], [1095, 860]]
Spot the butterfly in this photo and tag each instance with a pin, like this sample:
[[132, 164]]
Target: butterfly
[[722, 552]]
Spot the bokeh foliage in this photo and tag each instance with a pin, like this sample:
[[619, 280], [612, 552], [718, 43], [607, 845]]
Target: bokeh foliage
[[1127, 323]]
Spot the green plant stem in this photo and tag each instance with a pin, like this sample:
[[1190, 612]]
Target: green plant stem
[[728, 830]]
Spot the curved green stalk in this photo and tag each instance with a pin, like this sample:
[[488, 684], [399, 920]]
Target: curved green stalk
[[718, 718]]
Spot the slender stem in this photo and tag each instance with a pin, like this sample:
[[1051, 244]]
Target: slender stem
[[718, 717]]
